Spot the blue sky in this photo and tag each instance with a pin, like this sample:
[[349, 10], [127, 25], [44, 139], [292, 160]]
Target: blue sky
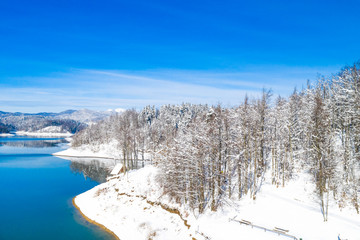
[[56, 55]]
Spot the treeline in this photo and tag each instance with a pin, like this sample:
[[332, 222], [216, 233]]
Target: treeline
[[208, 155], [33, 123], [138, 133], [5, 128]]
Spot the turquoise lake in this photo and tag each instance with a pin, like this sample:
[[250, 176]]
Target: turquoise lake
[[36, 191]]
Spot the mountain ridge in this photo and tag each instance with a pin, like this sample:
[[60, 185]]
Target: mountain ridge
[[69, 120]]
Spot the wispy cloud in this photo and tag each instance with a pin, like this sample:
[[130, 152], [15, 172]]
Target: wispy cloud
[[100, 89]]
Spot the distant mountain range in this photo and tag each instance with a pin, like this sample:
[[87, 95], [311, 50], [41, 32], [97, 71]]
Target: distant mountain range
[[69, 121]]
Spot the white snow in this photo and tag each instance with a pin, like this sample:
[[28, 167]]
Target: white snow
[[44, 134], [6, 134], [124, 205], [85, 115], [102, 151], [50, 131], [121, 208], [117, 110], [108, 150], [290, 208], [117, 169]]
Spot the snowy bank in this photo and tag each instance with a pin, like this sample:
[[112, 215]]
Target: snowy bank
[[130, 209], [133, 206], [50, 131], [93, 222], [44, 134], [108, 150], [6, 134], [86, 151]]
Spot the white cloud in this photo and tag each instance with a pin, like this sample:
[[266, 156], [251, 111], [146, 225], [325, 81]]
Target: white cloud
[[99, 89]]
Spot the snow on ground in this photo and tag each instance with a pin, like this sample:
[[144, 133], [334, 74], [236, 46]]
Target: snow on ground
[[120, 207], [42, 134], [6, 134], [109, 150], [102, 151], [292, 208], [128, 206], [103, 162], [51, 131]]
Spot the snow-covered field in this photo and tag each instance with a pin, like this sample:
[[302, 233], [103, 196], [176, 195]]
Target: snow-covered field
[[134, 207]]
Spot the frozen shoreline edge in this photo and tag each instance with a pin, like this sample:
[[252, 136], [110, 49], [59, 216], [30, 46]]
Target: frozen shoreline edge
[[77, 156], [93, 221], [43, 134]]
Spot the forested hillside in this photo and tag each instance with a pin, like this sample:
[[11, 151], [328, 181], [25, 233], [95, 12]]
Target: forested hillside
[[70, 121], [209, 154], [4, 128]]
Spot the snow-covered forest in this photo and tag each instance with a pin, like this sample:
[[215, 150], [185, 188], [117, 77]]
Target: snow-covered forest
[[70, 121], [210, 154]]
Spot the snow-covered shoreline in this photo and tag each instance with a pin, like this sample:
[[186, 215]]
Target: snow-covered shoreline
[[104, 151], [92, 221], [43, 134], [6, 134], [131, 210], [107, 151], [133, 206], [37, 134]]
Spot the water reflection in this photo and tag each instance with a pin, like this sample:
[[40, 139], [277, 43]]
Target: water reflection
[[32, 144], [30, 174], [92, 168], [96, 169], [29, 152]]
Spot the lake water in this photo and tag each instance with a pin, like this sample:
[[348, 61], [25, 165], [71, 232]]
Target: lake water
[[36, 191]]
